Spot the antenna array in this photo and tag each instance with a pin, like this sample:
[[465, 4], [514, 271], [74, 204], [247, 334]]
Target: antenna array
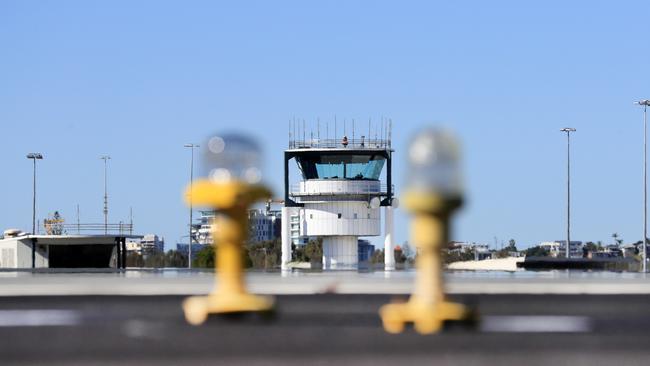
[[298, 134]]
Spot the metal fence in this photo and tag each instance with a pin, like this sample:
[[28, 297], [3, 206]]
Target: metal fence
[[119, 228], [357, 189], [336, 143]]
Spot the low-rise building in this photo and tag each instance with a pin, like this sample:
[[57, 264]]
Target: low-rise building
[[22, 250]]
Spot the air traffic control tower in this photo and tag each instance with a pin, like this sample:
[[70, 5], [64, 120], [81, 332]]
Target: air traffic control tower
[[340, 196]]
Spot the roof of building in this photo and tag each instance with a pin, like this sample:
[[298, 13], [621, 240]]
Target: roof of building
[[73, 239]]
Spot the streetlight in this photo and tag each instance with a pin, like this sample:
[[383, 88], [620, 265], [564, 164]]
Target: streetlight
[[34, 157], [189, 247], [645, 103], [568, 131], [106, 158]]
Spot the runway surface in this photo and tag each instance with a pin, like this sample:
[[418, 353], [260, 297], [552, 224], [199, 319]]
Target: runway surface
[[324, 329], [136, 282]]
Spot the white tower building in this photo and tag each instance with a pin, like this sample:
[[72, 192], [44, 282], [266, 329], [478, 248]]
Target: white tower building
[[339, 197]]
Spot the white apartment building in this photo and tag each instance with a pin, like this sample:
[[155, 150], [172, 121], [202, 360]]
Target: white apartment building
[[149, 244]]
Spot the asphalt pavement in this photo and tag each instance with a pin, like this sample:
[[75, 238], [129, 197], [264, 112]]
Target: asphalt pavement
[[324, 329]]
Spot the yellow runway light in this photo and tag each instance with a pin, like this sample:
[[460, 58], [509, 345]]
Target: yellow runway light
[[434, 192], [232, 187]]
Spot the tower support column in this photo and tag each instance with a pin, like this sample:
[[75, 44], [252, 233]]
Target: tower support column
[[286, 238], [340, 252], [389, 245]]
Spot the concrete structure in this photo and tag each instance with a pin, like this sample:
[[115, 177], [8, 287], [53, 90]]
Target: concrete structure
[[21, 250], [339, 197]]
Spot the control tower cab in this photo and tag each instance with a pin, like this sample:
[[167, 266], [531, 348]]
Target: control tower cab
[[339, 198]]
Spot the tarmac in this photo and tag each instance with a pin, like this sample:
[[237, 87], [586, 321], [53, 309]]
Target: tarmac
[[323, 330], [145, 282], [319, 321]]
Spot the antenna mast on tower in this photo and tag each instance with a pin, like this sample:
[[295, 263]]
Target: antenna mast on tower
[[335, 129]]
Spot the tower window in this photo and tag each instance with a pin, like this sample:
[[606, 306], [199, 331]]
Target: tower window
[[339, 215], [355, 216]]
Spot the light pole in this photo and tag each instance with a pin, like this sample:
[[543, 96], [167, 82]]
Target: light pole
[[106, 158], [34, 157], [645, 103], [568, 131], [189, 247]]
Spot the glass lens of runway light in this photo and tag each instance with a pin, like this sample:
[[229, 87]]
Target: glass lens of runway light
[[231, 157], [434, 159]]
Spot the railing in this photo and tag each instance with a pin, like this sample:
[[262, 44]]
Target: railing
[[60, 229], [296, 190], [340, 144]]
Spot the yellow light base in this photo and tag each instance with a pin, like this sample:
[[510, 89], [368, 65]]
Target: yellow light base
[[198, 308], [427, 318]]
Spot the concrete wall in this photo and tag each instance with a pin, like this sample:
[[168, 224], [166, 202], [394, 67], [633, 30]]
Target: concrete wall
[[8, 253], [357, 219], [17, 253]]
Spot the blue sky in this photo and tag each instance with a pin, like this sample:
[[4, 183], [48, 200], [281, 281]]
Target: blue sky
[[138, 79]]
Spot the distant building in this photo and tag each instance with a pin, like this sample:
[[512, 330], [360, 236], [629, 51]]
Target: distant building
[[557, 248], [632, 250], [365, 250], [202, 231], [263, 225], [133, 245], [295, 231], [599, 255], [183, 248], [613, 250], [149, 244], [481, 251]]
